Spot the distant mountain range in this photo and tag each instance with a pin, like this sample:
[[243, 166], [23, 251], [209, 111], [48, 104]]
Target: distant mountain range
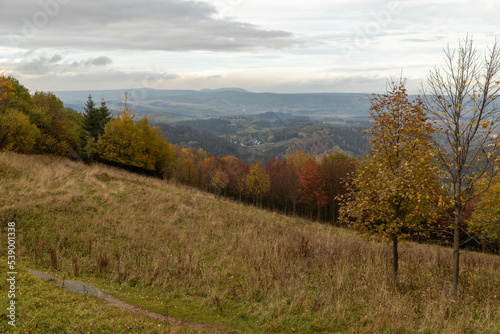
[[174, 105]]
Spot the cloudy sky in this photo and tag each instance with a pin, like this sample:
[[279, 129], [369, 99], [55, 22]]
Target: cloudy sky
[[259, 45]]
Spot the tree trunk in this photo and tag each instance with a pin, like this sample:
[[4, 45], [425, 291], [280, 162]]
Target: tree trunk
[[395, 259], [456, 251], [333, 213]]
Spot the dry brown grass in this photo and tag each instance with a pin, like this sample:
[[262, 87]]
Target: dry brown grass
[[262, 271]]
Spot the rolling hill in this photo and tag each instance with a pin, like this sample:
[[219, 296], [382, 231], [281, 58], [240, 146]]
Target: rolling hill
[[177, 251], [164, 105]]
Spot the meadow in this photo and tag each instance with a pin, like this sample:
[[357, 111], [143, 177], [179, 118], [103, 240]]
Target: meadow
[[176, 250]]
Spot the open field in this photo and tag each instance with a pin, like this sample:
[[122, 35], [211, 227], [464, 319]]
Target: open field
[[188, 254]]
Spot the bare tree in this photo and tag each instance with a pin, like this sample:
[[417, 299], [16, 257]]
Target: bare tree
[[462, 95]]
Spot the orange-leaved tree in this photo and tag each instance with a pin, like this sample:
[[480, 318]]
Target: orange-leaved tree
[[236, 171], [219, 180], [284, 184], [312, 187], [334, 169]]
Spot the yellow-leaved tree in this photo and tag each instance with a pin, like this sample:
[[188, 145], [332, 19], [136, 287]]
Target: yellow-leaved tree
[[35, 123], [17, 133], [134, 144], [485, 220], [257, 183], [219, 180], [156, 151], [384, 198], [52, 120], [7, 90], [121, 141]]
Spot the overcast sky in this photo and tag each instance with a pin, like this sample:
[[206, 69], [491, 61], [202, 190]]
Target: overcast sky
[[259, 45]]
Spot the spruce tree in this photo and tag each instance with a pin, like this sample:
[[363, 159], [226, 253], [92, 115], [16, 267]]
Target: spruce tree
[[92, 122], [104, 116]]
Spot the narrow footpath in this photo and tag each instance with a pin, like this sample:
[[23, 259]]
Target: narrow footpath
[[86, 289]]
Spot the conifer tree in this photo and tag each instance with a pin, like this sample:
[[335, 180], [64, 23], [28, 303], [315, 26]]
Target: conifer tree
[[104, 116], [92, 123], [95, 120]]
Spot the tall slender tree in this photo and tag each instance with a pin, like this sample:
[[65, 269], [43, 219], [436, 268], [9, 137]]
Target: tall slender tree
[[463, 95]]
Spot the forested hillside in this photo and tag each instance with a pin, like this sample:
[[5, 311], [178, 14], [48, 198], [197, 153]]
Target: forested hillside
[[265, 136], [186, 137]]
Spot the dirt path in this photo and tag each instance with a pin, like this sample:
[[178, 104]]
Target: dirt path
[[86, 289]]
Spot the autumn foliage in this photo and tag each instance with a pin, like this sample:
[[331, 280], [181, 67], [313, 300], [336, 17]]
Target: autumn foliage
[[35, 123], [312, 187], [387, 198], [136, 144], [257, 183]]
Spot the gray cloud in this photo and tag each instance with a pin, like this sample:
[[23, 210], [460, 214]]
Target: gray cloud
[[100, 80], [169, 25], [39, 65], [55, 58], [99, 61], [421, 40], [43, 64]]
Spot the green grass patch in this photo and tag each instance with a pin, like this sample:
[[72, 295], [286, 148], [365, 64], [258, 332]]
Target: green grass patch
[[44, 307]]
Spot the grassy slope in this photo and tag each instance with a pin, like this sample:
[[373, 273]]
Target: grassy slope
[[188, 254], [43, 307]]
